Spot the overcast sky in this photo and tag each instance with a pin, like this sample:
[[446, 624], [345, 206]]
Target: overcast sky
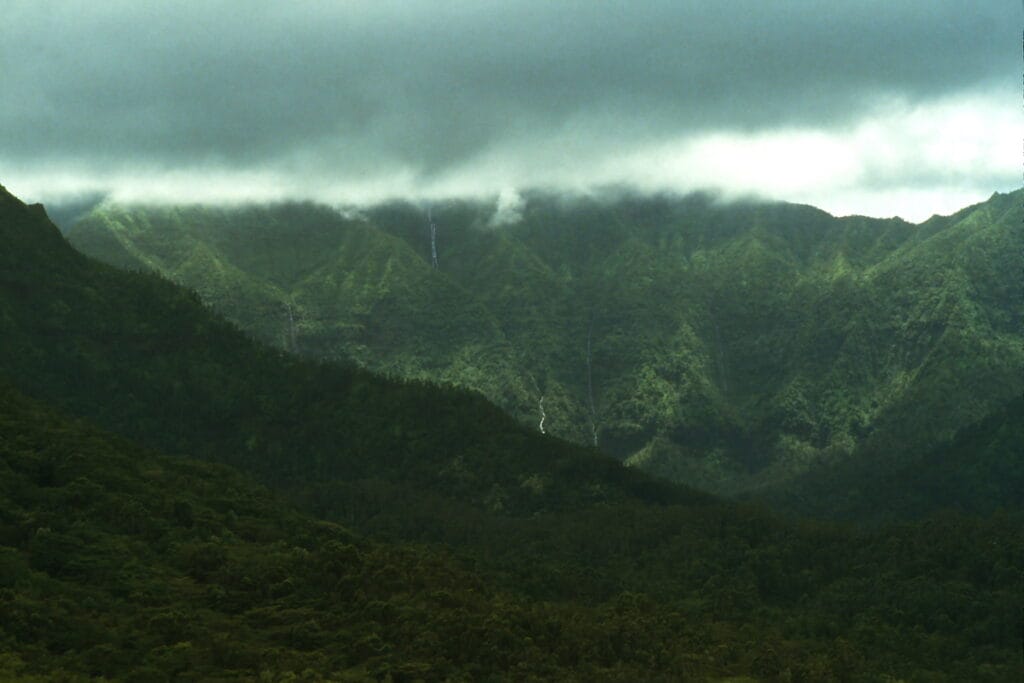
[[883, 107]]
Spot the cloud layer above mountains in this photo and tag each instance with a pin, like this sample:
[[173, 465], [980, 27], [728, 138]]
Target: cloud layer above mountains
[[872, 107]]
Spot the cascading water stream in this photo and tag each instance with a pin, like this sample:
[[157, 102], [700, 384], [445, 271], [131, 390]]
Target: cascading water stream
[[540, 403], [292, 343], [590, 385], [433, 239], [543, 415]]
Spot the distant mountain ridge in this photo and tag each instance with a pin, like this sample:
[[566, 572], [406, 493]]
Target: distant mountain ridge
[[533, 558], [731, 346]]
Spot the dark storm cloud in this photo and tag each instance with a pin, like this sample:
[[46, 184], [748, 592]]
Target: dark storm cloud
[[431, 84]]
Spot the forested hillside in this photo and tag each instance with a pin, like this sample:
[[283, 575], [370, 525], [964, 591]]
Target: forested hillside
[[117, 562], [734, 347], [544, 560], [143, 357]]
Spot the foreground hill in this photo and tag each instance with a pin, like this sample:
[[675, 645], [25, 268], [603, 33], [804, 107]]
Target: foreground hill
[[734, 347], [117, 562], [566, 563]]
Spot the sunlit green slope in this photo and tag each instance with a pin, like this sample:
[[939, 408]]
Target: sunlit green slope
[[142, 356], [730, 346]]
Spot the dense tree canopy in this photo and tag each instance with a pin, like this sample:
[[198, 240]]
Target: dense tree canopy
[[470, 547]]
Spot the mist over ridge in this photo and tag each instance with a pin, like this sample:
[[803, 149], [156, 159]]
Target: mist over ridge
[[507, 204], [730, 343], [869, 108]]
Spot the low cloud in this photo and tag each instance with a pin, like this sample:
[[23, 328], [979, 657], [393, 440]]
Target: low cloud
[[356, 101], [509, 209]]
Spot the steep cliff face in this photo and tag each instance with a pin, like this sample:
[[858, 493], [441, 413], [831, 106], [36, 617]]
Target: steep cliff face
[[141, 356], [732, 346]]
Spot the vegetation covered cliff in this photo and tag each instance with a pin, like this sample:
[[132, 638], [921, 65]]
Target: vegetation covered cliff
[[735, 347]]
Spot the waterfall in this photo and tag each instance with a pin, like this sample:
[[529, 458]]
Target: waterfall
[[590, 383], [540, 403], [543, 415], [292, 342], [433, 239]]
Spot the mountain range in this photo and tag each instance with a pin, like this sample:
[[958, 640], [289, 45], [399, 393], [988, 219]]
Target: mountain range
[[739, 347], [178, 500]]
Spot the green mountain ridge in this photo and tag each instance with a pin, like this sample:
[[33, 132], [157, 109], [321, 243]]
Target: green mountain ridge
[[733, 347], [546, 562], [119, 344]]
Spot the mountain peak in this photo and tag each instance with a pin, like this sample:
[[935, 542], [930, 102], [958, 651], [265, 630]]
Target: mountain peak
[[6, 196], [26, 229]]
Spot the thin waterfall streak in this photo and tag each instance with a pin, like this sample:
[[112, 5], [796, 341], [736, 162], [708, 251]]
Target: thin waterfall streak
[[540, 403], [433, 245], [590, 384], [291, 329], [433, 239], [718, 358]]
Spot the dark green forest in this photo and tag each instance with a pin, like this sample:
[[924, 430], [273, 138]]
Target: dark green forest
[[181, 501], [740, 348]]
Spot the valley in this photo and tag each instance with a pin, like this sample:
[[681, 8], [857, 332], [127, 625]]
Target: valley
[[731, 346]]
